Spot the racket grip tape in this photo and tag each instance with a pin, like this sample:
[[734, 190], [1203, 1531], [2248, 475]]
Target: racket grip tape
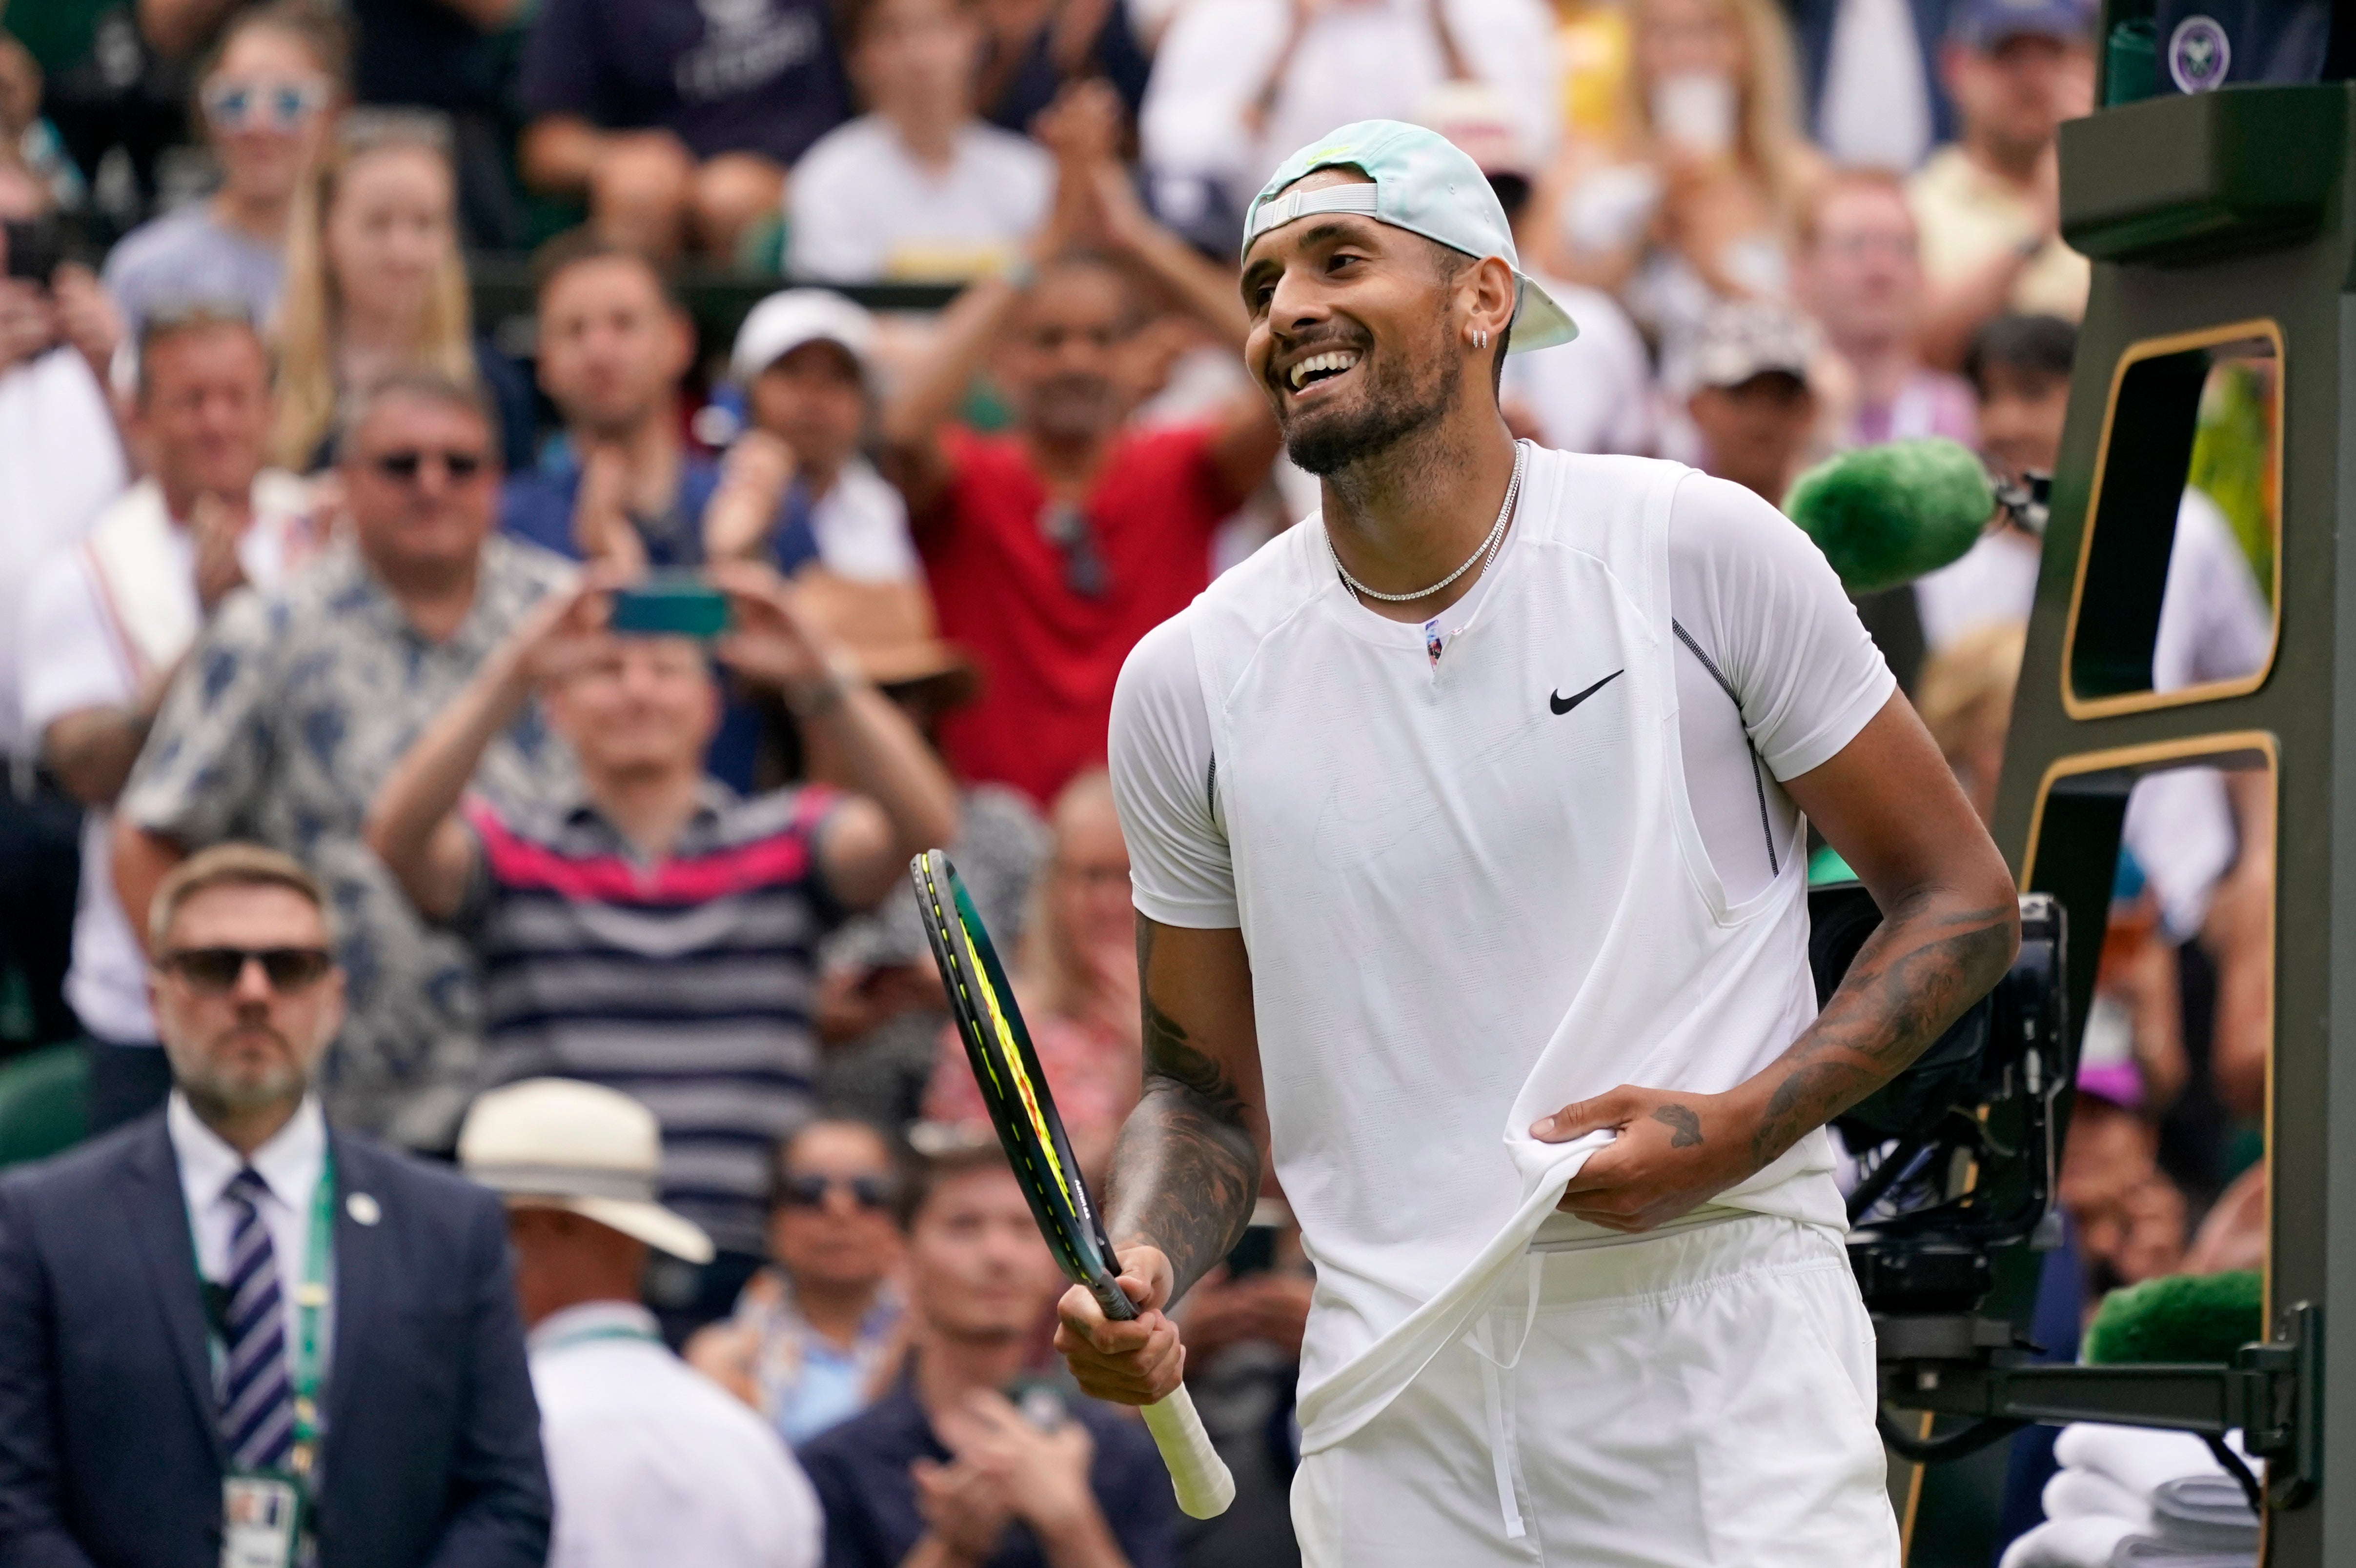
[[1197, 1474]]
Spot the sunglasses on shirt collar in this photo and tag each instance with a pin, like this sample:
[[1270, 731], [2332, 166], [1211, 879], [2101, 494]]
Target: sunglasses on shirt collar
[[215, 971], [279, 105]]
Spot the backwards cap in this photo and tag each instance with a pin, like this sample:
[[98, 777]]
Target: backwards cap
[[1424, 184]]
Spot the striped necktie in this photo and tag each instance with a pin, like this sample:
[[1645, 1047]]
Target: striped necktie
[[257, 1396]]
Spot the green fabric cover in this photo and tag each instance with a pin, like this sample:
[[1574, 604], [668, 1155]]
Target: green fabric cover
[[1886, 515], [2179, 1317], [41, 1104]]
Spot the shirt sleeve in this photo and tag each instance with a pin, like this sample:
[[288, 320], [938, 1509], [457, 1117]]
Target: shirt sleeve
[[68, 660], [561, 74], [1755, 591], [1164, 784], [210, 749]]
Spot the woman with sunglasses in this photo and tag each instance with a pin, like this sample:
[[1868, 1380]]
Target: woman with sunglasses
[[264, 98], [817, 1335], [375, 283]]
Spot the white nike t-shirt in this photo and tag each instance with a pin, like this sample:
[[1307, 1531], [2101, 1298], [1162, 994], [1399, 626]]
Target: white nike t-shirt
[[1751, 589], [1472, 887]]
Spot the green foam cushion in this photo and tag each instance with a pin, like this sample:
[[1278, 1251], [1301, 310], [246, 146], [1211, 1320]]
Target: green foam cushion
[[1886, 515], [2178, 1317]]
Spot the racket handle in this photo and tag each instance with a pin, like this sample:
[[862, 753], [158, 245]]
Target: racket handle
[[1197, 1474]]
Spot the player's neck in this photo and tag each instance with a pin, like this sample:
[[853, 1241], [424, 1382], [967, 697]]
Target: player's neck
[[949, 1367], [1412, 513]]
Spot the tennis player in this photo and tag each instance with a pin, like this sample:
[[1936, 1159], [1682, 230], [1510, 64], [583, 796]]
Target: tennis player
[[1466, 821]]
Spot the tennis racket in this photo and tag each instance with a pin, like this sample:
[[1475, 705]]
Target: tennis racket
[[1015, 1090]]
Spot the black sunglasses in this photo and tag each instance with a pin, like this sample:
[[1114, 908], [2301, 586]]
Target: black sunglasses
[[809, 1191], [405, 466], [215, 970]]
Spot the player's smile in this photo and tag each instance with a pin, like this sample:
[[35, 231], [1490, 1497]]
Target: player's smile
[[1319, 369]]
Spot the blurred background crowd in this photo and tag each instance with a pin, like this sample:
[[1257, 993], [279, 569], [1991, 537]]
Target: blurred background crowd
[[333, 335]]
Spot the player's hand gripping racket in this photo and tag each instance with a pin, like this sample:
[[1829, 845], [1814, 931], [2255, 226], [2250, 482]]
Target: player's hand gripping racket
[[1015, 1090]]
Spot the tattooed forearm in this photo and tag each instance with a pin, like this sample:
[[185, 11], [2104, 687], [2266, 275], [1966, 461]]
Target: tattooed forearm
[[1914, 976], [1186, 1170]]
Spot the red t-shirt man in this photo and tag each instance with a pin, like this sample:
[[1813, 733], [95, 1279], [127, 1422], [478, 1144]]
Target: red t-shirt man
[[1053, 549], [1050, 595]]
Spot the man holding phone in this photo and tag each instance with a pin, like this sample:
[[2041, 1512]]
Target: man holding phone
[[654, 931]]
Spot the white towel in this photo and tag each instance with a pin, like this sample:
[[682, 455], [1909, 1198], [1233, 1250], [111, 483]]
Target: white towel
[[2137, 1457], [2089, 1494], [2068, 1544], [2144, 1552]]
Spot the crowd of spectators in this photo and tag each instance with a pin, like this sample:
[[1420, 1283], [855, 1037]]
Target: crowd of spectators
[[303, 548]]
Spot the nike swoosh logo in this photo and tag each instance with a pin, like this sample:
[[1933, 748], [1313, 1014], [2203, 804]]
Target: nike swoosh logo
[[1562, 704]]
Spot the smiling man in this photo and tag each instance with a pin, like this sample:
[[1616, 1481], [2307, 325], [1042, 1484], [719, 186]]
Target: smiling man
[[1466, 830]]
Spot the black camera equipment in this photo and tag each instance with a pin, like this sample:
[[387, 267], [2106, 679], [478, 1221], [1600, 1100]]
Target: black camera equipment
[[1959, 1160]]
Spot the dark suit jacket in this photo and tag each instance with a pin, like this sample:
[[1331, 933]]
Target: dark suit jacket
[[110, 1450]]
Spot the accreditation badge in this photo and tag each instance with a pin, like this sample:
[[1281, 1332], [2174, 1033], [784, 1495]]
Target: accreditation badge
[[262, 1520]]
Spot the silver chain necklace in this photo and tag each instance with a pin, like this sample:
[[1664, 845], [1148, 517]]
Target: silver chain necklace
[[1488, 545]]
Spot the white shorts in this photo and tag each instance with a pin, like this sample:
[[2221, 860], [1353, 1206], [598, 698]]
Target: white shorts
[[1702, 1400]]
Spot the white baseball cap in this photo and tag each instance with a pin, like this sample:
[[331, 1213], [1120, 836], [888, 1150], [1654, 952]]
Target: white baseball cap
[[558, 1143], [784, 321], [1424, 184]]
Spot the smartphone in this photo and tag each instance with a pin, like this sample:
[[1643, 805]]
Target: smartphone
[[35, 246], [669, 607]]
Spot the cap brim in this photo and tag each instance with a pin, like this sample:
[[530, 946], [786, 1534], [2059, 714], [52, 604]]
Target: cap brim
[[652, 1223], [1539, 322]]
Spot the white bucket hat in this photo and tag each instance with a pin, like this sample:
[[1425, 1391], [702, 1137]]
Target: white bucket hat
[[561, 1144]]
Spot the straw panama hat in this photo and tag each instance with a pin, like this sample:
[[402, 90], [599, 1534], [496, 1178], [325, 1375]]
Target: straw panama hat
[[559, 1143]]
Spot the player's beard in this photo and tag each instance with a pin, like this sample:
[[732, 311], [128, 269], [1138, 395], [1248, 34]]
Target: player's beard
[[1388, 409]]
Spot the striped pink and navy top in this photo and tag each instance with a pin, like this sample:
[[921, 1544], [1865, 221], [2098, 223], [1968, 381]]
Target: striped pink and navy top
[[688, 983]]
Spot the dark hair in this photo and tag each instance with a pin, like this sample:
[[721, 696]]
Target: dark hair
[[424, 383], [949, 1152], [853, 18], [182, 318], [897, 1155], [2040, 345], [1135, 309], [579, 248]]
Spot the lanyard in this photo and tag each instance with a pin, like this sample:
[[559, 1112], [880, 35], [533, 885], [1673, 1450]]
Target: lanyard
[[608, 1331], [311, 1298]]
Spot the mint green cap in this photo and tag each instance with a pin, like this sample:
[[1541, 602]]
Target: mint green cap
[[1425, 184]]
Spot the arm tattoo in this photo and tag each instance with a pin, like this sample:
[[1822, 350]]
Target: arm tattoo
[[1186, 1170], [1912, 979]]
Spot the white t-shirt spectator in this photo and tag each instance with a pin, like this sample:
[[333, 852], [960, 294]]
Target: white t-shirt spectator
[[76, 656], [60, 463], [651, 1461], [863, 207], [2214, 625], [1359, 60], [1595, 393], [861, 528]]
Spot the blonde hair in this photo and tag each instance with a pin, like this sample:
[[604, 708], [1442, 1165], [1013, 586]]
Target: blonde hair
[[231, 865], [310, 311], [1768, 137]]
